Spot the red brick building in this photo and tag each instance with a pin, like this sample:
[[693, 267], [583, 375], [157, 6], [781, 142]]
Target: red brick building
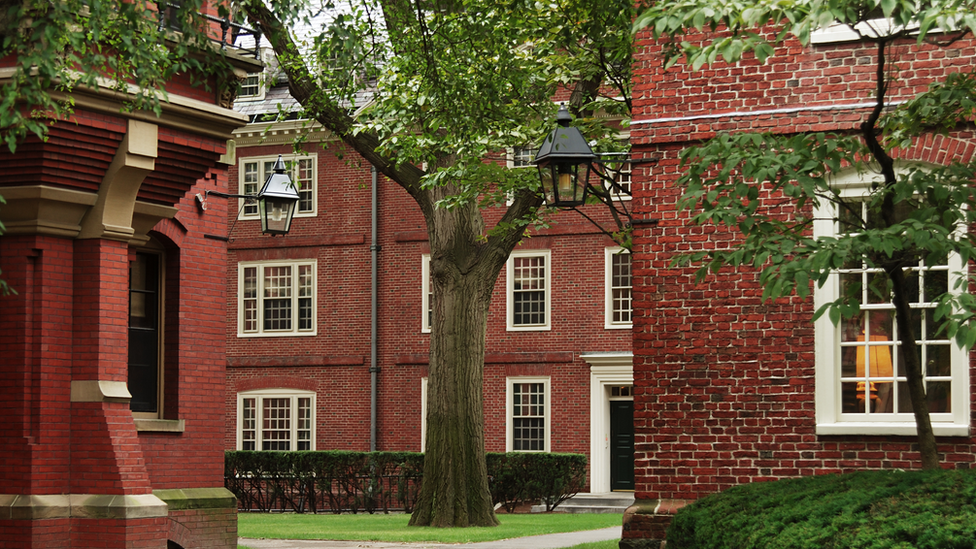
[[730, 389], [112, 347], [559, 329]]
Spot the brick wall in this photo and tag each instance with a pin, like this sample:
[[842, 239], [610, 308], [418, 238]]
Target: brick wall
[[724, 381]]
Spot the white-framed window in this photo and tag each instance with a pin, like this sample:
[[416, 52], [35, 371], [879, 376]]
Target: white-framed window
[[427, 299], [619, 288], [276, 298], [276, 419], [622, 174], [861, 387], [251, 88], [254, 171], [527, 413], [522, 157], [529, 296]]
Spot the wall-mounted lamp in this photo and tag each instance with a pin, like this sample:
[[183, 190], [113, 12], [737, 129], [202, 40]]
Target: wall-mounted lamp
[[277, 200], [566, 166]]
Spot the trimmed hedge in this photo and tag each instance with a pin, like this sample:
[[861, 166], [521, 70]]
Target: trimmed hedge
[[337, 481], [331, 481], [517, 478], [869, 509]]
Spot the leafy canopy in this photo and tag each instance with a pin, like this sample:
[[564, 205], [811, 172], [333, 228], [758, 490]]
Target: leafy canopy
[[451, 84]]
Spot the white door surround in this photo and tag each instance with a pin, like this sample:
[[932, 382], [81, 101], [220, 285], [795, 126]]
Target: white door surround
[[606, 370]]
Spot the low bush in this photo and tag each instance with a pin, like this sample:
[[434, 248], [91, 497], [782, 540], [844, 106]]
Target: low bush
[[517, 478], [337, 481], [870, 509]]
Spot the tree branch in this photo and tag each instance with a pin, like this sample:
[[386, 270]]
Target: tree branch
[[327, 112]]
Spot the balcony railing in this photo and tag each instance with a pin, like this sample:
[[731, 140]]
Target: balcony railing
[[229, 30]]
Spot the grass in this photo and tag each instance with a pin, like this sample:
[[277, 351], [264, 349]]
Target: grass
[[393, 528]]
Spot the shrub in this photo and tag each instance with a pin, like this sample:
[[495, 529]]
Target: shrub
[[338, 481], [869, 509]]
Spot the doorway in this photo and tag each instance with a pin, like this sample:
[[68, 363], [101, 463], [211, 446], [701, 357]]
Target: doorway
[[621, 445]]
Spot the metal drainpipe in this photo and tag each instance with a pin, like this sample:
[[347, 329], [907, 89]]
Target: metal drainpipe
[[374, 249]]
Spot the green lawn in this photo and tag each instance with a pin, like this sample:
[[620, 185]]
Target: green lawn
[[366, 527]]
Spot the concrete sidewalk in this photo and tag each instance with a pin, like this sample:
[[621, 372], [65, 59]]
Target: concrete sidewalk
[[548, 541]]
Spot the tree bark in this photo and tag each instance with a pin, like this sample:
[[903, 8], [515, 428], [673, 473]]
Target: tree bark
[[894, 268], [455, 488]]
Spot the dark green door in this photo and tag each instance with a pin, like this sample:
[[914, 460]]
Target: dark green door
[[621, 445]]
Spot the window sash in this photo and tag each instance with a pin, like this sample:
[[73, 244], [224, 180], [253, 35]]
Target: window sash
[[276, 422], [251, 87], [528, 415], [523, 157], [277, 299], [301, 169], [529, 299], [619, 288]]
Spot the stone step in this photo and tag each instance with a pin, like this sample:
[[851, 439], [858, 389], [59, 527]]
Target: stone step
[[615, 502]]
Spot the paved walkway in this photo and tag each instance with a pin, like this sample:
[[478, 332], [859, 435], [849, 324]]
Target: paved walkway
[[548, 541]]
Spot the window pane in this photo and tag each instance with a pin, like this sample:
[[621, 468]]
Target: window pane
[[248, 424], [277, 302], [250, 298], [305, 184], [305, 297], [276, 424], [620, 288], [303, 432], [528, 417], [529, 295], [523, 157], [252, 178]]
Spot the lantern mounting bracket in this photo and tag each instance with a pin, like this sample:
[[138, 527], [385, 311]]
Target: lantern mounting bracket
[[277, 200], [572, 175]]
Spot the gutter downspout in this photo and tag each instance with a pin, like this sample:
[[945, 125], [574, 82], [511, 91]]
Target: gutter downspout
[[374, 249]]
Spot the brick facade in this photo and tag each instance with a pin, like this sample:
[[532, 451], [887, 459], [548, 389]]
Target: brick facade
[[335, 362], [725, 382], [81, 469]]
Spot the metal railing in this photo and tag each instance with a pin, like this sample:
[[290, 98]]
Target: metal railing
[[168, 19]]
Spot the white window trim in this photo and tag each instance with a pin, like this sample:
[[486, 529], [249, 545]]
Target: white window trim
[[261, 161], [294, 395], [510, 291], [294, 332], [261, 89], [425, 294], [842, 32], [509, 409], [609, 324], [620, 197], [829, 417], [510, 157]]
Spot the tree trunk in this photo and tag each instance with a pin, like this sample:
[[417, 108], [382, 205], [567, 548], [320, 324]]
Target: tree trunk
[[893, 267], [455, 487], [913, 371], [463, 269]]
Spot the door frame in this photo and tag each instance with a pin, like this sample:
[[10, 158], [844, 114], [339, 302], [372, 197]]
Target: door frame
[[606, 370]]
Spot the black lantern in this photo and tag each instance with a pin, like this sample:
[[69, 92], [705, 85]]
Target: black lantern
[[277, 201], [564, 164]]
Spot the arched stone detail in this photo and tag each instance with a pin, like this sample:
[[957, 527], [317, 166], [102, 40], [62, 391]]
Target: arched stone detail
[[181, 535], [277, 382]]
